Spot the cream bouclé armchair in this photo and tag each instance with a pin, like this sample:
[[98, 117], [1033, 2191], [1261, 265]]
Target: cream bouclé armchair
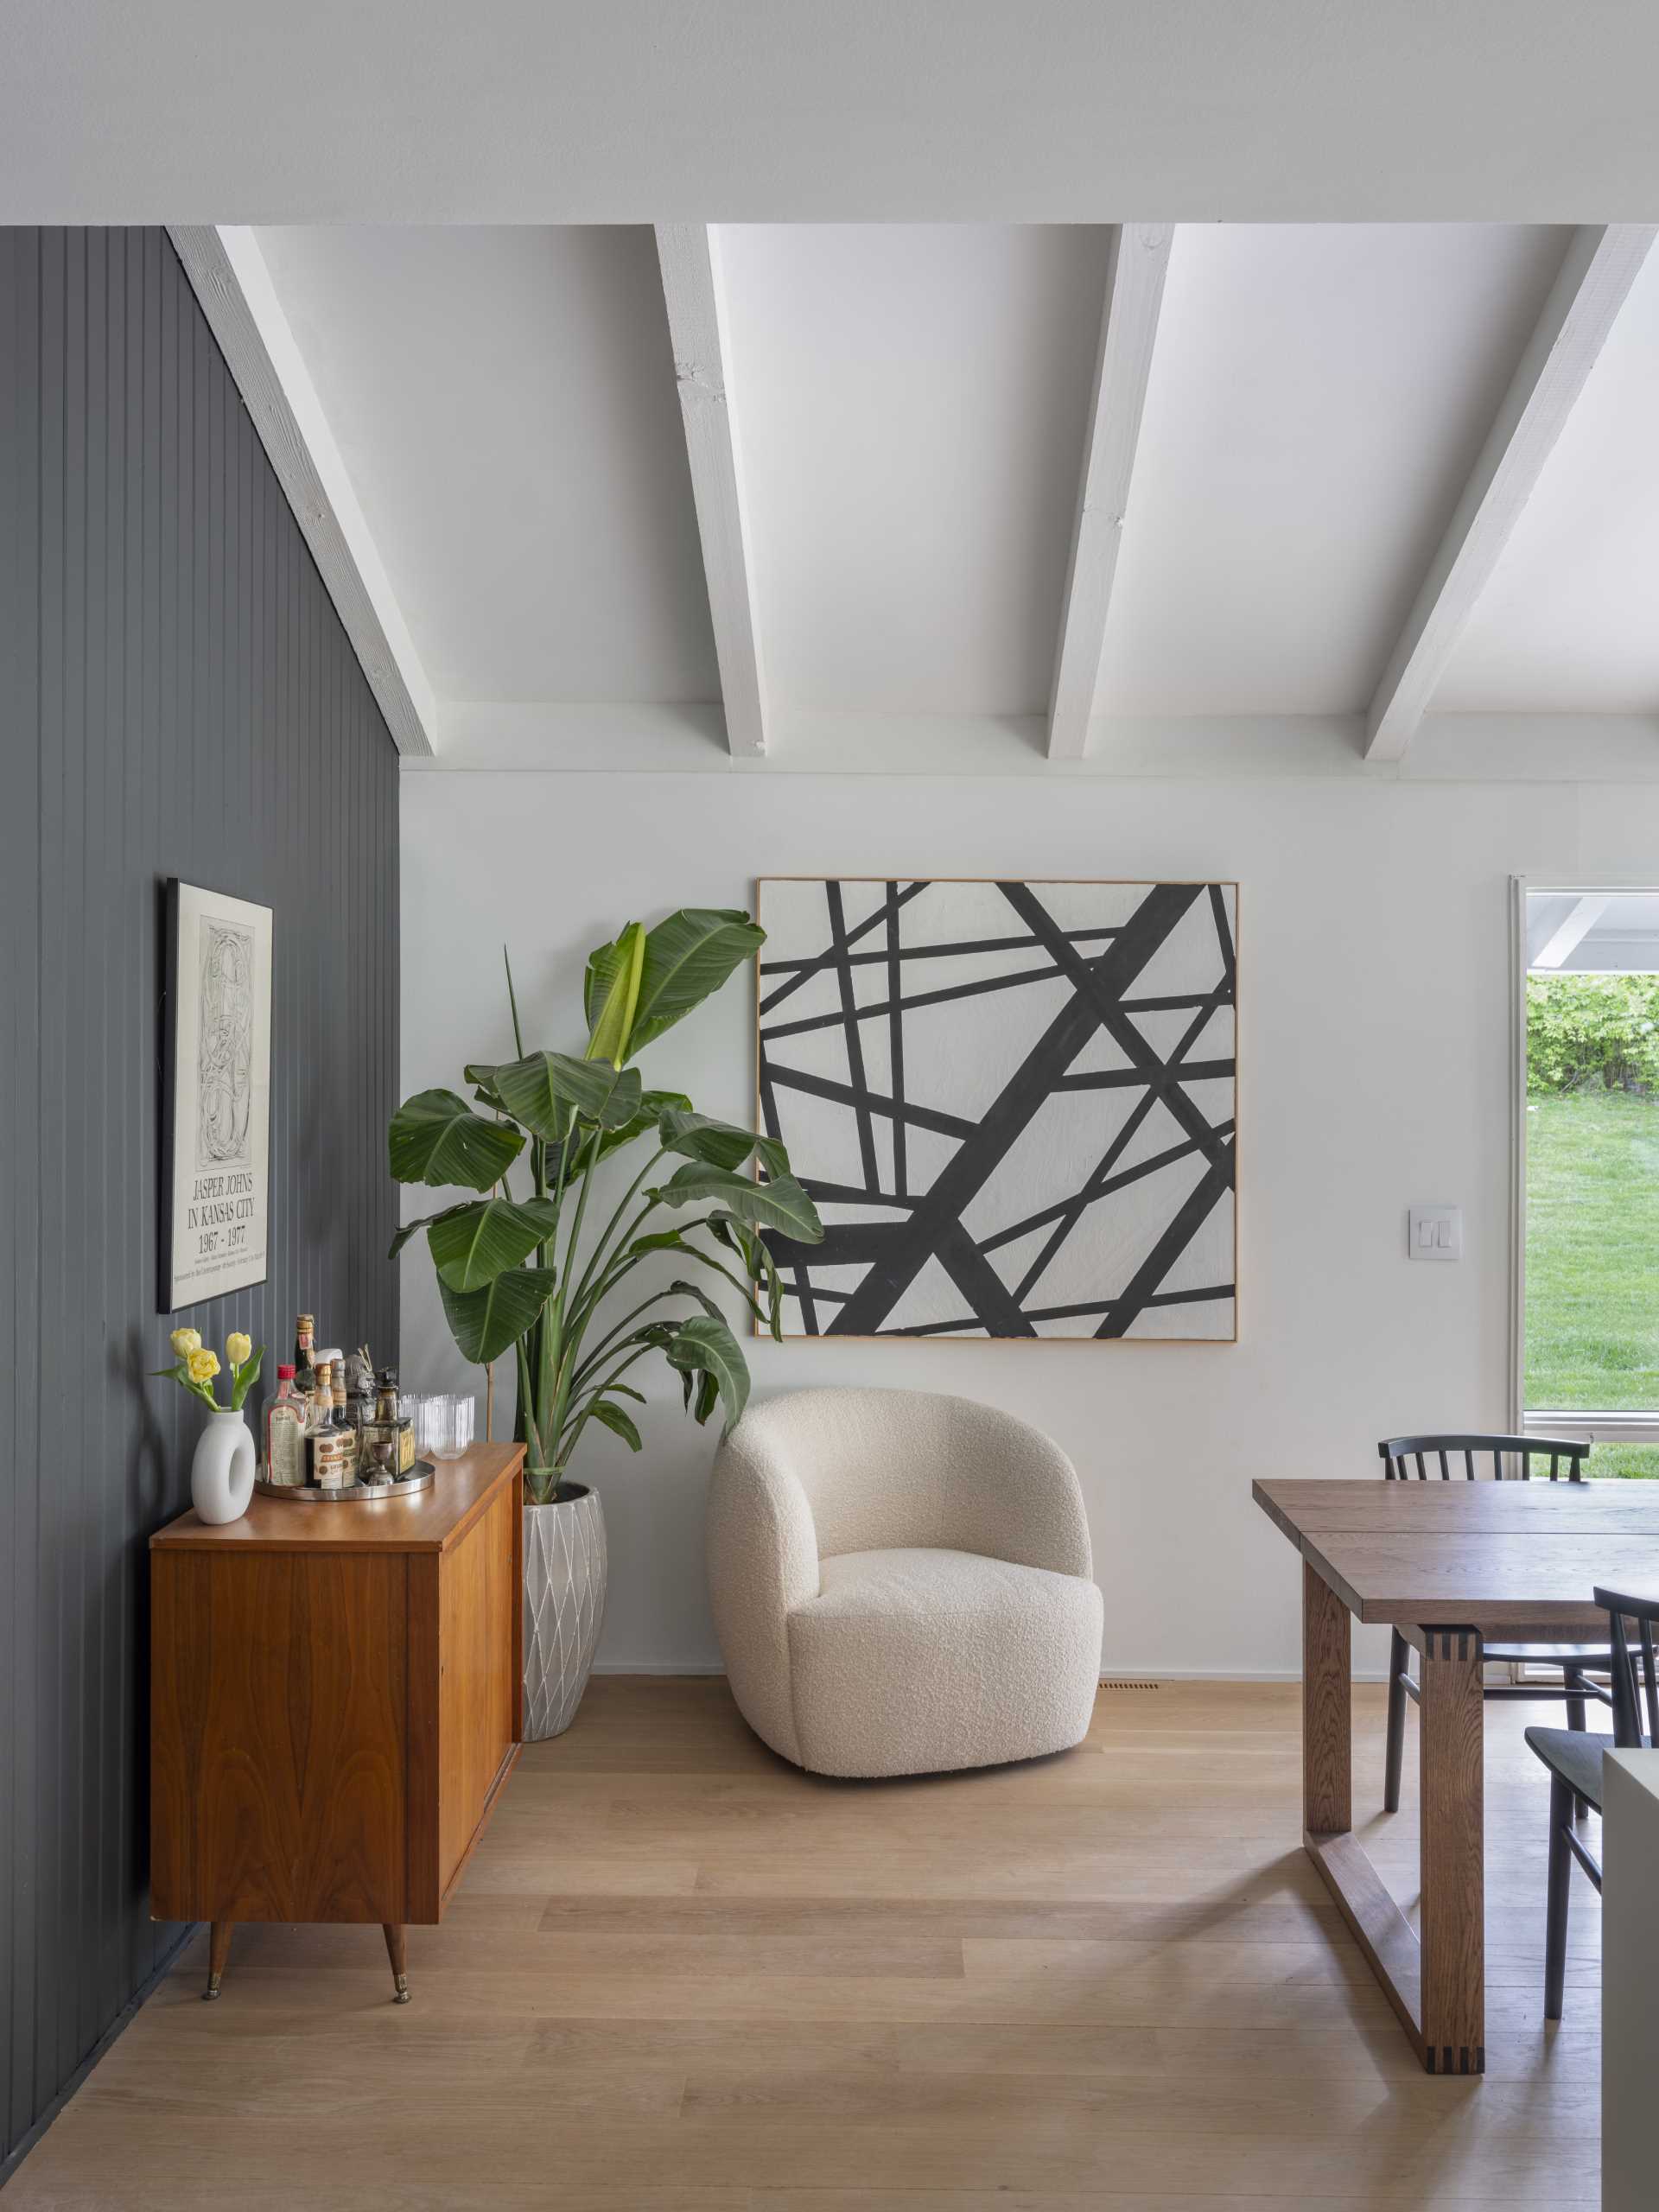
[[902, 1583]]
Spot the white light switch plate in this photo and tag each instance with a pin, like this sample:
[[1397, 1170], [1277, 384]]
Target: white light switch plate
[[1436, 1232]]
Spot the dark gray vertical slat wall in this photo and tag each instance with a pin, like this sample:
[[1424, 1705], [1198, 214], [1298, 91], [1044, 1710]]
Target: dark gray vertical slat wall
[[177, 698]]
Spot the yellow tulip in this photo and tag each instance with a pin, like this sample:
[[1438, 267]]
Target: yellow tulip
[[203, 1366], [185, 1341], [236, 1348]]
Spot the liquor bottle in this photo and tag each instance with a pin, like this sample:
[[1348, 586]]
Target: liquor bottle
[[327, 1461], [389, 1438], [305, 1371], [359, 1403], [335, 1406], [285, 1419]]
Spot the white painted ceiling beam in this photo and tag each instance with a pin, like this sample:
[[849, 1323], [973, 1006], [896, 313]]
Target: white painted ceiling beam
[[1581, 918], [228, 275], [1129, 329], [1600, 265], [690, 255]]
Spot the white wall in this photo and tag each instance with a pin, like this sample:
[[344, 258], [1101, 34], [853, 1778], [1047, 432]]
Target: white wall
[[1374, 1059]]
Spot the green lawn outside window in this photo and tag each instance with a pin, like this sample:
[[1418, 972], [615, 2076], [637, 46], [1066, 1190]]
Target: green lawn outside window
[[1592, 1261]]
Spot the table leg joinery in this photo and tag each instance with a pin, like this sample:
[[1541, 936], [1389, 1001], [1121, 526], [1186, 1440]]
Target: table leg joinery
[[1437, 1984]]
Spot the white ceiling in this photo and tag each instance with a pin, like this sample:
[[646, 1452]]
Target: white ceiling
[[653, 110], [913, 407], [911, 404], [504, 401], [1571, 619], [1319, 395]]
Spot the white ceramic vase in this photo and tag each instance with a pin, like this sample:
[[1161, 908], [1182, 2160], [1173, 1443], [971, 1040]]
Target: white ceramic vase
[[565, 1606], [221, 1473]]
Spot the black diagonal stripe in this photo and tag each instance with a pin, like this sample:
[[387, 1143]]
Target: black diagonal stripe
[[1125, 1078], [1224, 935], [854, 1043], [1209, 1295], [981, 989], [1070, 1209], [896, 1038], [971, 1167], [846, 1243], [1199, 1205], [848, 1194], [871, 1101], [815, 963], [1088, 978], [810, 967], [981, 1285], [1158, 1081]]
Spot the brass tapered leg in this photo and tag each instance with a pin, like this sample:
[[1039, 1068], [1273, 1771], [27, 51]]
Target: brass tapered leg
[[397, 1951], [218, 1950]]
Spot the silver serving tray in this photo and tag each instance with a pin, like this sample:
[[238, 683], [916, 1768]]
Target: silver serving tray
[[419, 1477]]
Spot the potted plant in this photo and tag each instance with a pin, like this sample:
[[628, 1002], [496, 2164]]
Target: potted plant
[[221, 1470], [527, 1267]]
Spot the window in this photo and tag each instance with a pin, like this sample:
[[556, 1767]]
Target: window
[[1587, 1307]]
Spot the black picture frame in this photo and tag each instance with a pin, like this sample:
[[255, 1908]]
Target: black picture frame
[[228, 1212]]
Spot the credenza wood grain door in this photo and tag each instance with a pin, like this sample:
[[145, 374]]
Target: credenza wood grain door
[[280, 1717]]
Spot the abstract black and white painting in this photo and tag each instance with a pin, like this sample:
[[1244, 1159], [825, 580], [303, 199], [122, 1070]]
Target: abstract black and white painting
[[1013, 1103]]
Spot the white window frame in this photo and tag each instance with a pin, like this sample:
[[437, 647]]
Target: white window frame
[[1599, 1428]]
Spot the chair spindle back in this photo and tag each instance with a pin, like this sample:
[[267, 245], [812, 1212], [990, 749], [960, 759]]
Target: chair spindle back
[[1406, 1457], [1627, 1613]]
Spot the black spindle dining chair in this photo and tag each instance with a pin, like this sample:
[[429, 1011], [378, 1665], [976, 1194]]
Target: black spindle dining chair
[[1575, 1767], [1430, 1458]]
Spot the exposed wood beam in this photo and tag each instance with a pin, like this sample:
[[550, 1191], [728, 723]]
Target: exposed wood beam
[[228, 274], [1129, 328], [1581, 918], [1600, 266], [690, 254]]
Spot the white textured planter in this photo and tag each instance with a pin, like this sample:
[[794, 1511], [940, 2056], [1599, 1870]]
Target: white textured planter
[[221, 1472], [564, 1607]]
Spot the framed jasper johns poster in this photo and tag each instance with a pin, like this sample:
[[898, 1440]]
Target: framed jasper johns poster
[[216, 1120]]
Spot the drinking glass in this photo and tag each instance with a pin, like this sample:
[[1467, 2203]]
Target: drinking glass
[[452, 1424]]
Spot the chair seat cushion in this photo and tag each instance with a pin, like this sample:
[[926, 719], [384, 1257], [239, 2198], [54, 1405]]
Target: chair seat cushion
[[1575, 1755], [914, 1661]]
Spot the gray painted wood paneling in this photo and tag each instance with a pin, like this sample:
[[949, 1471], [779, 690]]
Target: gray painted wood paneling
[[177, 698]]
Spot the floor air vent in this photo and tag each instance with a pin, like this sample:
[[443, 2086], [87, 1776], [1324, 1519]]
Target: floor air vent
[[1113, 1682]]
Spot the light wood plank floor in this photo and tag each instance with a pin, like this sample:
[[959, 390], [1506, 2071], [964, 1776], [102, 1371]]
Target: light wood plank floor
[[681, 1977]]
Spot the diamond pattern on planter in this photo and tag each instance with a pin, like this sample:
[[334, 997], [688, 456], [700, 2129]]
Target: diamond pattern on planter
[[564, 1609]]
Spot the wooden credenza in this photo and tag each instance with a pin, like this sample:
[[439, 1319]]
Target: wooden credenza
[[335, 1702]]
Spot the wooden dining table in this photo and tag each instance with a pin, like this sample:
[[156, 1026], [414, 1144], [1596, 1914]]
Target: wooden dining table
[[1448, 1564]]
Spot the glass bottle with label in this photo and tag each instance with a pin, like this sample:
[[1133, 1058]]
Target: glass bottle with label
[[305, 1371], [327, 1463], [285, 1418], [339, 1417], [389, 1438]]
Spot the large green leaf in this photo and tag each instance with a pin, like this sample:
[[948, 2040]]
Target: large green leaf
[[610, 994], [705, 1345], [653, 1104], [413, 1228], [471, 1245], [619, 1423], [545, 1088], [720, 1144], [756, 1254], [778, 1204], [484, 1322], [482, 1075], [687, 956], [436, 1138]]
